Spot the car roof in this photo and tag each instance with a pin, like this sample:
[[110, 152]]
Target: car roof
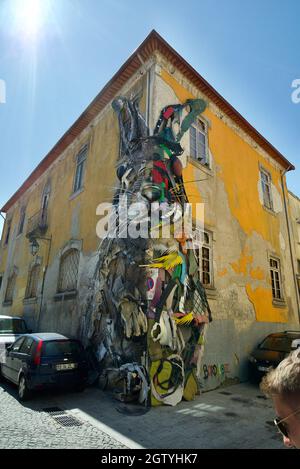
[[291, 334], [48, 336], [10, 317]]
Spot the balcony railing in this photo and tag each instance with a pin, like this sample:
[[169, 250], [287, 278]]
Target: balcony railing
[[37, 224]]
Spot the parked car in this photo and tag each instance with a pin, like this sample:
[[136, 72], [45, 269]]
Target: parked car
[[271, 351], [11, 328], [45, 360]]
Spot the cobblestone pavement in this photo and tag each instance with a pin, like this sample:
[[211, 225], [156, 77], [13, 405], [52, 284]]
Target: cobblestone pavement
[[28, 426], [237, 416]]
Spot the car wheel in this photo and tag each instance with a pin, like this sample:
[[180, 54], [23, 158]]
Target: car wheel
[[23, 390]]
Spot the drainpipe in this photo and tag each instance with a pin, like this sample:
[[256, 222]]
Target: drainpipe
[[44, 279], [290, 238]]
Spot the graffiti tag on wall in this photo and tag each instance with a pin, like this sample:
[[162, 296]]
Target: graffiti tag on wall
[[216, 370]]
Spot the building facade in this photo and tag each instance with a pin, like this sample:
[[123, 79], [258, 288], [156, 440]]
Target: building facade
[[247, 261], [294, 210]]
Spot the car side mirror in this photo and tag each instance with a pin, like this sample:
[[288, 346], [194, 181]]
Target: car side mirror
[[295, 344], [8, 349]]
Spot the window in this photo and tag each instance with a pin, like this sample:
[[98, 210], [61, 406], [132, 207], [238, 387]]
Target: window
[[22, 220], [68, 272], [266, 183], [12, 326], [276, 279], [18, 344], [26, 346], [10, 288], [203, 250], [80, 165], [32, 283], [62, 347], [8, 232], [198, 142]]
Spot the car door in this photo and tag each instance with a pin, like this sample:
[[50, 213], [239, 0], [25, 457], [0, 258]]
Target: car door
[[7, 368], [21, 357]]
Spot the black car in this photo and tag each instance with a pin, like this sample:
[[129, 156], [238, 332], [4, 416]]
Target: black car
[[271, 351], [44, 360]]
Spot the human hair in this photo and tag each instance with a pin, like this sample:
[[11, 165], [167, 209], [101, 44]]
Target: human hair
[[285, 379]]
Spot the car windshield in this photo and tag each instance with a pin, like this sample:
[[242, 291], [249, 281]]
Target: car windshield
[[277, 344], [61, 347], [12, 326]]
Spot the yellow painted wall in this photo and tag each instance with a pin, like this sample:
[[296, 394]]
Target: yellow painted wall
[[70, 217], [238, 168]]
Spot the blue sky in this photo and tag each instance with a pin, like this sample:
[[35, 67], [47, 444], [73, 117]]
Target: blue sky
[[56, 55]]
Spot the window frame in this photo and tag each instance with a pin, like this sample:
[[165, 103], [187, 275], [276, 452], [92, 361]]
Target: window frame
[[204, 131], [21, 220], [60, 281], [277, 278], [267, 184], [11, 280], [81, 157], [199, 244], [7, 232], [30, 284]]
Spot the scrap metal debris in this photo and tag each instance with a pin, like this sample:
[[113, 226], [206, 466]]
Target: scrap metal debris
[[147, 312]]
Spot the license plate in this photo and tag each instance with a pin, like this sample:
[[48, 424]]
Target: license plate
[[66, 366], [263, 368]]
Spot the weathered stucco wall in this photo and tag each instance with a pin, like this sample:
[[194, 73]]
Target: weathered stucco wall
[[70, 217], [244, 233]]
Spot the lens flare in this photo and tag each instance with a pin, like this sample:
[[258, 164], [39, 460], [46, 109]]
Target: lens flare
[[29, 16]]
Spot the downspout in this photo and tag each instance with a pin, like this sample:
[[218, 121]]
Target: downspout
[[44, 279], [290, 238]]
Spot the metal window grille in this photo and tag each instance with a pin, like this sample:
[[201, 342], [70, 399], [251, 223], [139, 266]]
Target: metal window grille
[[80, 165], [10, 288], [31, 290], [267, 189], [198, 142], [68, 271], [276, 279]]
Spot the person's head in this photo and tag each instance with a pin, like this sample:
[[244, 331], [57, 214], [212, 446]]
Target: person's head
[[283, 385]]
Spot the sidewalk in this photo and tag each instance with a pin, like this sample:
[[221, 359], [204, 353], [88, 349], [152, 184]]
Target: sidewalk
[[238, 416]]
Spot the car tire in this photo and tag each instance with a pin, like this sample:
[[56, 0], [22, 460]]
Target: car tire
[[23, 391]]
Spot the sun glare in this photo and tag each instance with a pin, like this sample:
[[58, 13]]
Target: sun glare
[[29, 16]]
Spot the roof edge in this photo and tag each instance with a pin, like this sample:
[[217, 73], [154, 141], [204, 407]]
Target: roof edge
[[150, 44]]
